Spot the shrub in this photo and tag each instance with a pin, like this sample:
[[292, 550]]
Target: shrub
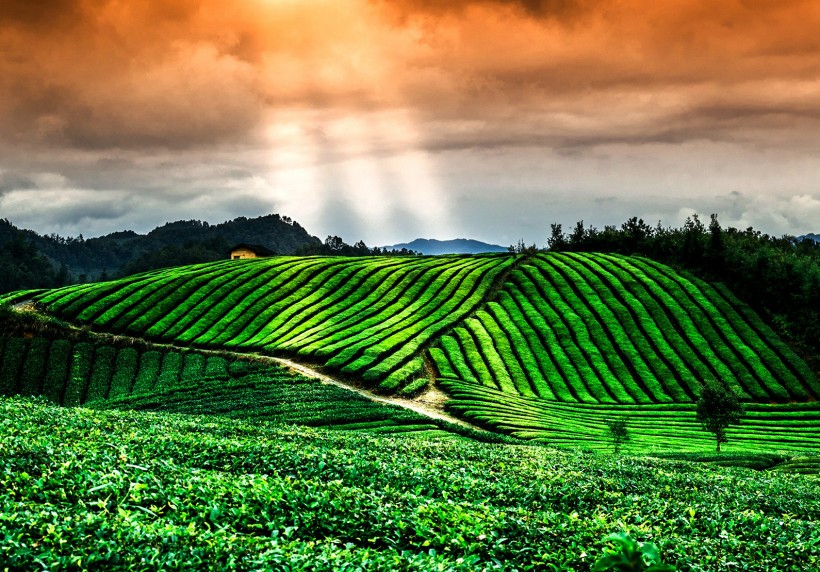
[[631, 555]]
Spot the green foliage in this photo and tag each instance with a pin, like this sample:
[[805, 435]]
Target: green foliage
[[22, 265], [102, 373], [125, 370], [79, 374], [609, 329], [717, 409], [366, 316], [25, 256], [778, 277], [631, 555], [149, 368], [415, 387], [216, 368], [13, 356], [85, 489], [33, 374], [57, 370], [653, 429]]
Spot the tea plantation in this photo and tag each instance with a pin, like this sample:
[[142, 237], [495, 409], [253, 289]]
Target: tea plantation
[[83, 489], [171, 450], [550, 347], [72, 368]]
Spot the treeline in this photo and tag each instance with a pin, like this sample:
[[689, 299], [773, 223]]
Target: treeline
[[335, 246], [778, 277], [177, 255], [30, 260], [22, 266]]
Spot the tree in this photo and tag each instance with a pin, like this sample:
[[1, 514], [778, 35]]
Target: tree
[[557, 241], [618, 432], [522, 248], [334, 243], [718, 408]]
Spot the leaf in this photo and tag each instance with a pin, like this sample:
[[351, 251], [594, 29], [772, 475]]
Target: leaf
[[650, 553], [608, 562]]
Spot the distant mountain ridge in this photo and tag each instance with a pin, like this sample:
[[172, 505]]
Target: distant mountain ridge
[[455, 246], [810, 236]]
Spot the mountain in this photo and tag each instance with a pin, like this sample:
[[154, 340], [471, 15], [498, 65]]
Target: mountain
[[125, 252], [811, 236], [455, 246]]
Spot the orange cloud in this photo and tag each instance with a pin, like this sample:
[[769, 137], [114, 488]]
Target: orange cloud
[[189, 83]]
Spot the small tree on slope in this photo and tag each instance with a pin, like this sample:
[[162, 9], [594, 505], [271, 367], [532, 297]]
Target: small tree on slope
[[618, 432], [717, 409]]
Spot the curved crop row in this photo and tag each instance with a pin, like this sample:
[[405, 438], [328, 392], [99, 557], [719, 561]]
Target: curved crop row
[[652, 428], [594, 328], [368, 317], [74, 373]]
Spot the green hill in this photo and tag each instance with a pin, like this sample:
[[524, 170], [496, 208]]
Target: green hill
[[73, 367], [549, 347]]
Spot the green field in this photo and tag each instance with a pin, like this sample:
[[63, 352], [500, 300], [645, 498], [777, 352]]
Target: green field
[[176, 449], [548, 347], [363, 317], [155, 378], [84, 489]]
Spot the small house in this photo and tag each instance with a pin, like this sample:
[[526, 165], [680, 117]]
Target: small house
[[241, 251]]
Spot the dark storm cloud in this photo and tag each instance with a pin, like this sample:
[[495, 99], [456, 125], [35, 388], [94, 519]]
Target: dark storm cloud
[[11, 181], [200, 108], [536, 8], [108, 210], [39, 13]]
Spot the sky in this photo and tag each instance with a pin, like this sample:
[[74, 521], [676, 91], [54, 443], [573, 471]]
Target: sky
[[387, 120]]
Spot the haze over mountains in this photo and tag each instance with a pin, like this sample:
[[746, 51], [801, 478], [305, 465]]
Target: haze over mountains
[[432, 246]]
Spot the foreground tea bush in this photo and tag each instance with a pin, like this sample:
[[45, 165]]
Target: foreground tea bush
[[84, 489]]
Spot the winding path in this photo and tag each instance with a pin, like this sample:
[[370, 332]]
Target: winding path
[[430, 403]]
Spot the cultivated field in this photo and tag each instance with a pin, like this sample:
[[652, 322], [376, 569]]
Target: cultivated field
[[175, 449], [549, 347], [86, 489]]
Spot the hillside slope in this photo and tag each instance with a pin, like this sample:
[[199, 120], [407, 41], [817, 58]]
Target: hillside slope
[[72, 367], [367, 317], [531, 333]]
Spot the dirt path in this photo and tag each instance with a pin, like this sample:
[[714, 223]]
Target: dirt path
[[430, 403]]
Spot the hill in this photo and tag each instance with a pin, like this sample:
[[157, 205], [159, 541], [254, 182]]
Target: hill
[[517, 341], [810, 236], [126, 252], [432, 246], [195, 458], [70, 367]]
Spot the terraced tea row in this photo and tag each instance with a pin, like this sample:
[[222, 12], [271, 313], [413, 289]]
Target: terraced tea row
[[656, 428], [73, 373], [560, 328], [367, 317], [594, 328], [106, 377]]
